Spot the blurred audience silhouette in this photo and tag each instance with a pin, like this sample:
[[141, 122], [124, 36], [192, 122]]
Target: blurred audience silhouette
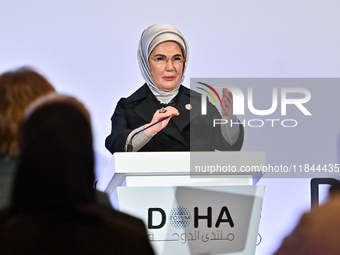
[[18, 89], [317, 232], [54, 208]]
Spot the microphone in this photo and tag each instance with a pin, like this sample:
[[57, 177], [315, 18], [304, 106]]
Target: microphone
[[129, 147]]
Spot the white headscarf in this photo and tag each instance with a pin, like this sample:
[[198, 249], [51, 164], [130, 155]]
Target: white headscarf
[[151, 37]]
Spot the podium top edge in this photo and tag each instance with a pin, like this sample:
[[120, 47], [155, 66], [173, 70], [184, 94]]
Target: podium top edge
[[172, 162]]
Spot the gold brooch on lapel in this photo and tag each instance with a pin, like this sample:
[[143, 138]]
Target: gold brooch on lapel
[[188, 106]]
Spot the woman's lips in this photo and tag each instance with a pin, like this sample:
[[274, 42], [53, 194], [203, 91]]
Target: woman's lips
[[169, 78]]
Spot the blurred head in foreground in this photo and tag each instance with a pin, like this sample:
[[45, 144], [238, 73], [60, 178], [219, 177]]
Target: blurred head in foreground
[[55, 168], [18, 89]]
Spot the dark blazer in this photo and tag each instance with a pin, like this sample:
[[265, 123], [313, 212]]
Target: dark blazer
[[190, 131], [92, 229]]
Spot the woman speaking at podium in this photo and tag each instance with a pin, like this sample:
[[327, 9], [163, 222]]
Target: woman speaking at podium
[[163, 115]]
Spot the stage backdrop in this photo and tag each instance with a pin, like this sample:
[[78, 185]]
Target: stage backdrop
[[88, 49]]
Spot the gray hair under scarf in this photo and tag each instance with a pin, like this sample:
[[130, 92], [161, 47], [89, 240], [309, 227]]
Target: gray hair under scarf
[[151, 37]]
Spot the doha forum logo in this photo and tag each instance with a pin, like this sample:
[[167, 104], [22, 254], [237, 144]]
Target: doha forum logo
[[179, 217]]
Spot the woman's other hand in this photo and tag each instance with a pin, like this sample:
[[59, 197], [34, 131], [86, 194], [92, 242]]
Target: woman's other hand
[[227, 104], [158, 115]]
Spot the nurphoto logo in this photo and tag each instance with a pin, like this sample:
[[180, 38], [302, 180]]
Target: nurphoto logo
[[279, 102]]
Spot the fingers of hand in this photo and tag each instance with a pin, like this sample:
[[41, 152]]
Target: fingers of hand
[[227, 98], [168, 111], [227, 102], [227, 92], [171, 111]]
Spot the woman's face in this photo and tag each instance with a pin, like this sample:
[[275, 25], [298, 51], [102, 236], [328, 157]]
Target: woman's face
[[167, 75]]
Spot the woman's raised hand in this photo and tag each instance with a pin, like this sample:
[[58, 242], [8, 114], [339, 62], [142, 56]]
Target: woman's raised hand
[[227, 104]]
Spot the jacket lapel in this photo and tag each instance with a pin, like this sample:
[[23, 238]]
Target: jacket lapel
[[147, 108], [188, 107]]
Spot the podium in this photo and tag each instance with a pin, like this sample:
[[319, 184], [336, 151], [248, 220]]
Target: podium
[[191, 202]]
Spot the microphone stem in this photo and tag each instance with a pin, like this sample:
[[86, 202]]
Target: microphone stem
[[129, 146]]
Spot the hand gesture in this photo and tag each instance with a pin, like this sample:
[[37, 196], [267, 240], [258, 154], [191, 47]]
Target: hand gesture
[[169, 111], [227, 104]]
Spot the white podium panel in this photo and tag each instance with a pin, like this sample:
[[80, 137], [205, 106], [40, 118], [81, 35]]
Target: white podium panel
[[189, 200], [197, 220]]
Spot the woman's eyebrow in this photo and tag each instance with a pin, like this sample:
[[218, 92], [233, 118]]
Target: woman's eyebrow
[[162, 55]]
